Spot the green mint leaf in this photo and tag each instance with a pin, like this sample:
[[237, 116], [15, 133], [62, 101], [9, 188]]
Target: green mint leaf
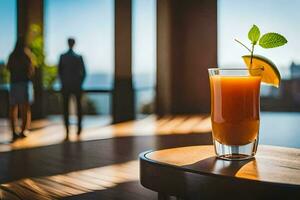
[[254, 34], [272, 40]]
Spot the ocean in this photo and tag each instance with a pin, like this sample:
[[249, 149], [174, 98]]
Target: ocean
[[144, 86]]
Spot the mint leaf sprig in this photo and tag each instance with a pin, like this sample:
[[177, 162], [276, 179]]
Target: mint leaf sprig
[[267, 41]]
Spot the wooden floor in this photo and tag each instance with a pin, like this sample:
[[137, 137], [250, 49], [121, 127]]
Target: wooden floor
[[102, 164], [51, 131]]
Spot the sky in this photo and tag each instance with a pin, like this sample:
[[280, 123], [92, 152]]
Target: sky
[[7, 28], [92, 24], [144, 36]]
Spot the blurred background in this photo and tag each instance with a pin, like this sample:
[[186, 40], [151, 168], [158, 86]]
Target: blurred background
[[92, 24]]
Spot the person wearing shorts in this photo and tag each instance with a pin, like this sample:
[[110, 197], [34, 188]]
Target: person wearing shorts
[[21, 91]]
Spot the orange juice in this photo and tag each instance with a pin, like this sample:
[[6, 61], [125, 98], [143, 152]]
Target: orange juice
[[235, 108]]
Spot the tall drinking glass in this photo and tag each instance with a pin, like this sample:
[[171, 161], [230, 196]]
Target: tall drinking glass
[[235, 111]]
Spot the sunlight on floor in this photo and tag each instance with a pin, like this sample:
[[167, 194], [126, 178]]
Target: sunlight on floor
[[151, 125], [73, 183]]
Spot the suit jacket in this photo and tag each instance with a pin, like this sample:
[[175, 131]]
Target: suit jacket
[[71, 71]]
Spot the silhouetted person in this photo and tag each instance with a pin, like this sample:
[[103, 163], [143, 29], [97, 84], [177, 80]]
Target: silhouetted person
[[72, 73], [21, 93]]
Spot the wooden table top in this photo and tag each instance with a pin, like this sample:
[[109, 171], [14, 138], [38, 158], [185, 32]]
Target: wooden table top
[[271, 164], [194, 172]]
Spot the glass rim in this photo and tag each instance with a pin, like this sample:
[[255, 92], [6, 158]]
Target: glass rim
[[233, 69]]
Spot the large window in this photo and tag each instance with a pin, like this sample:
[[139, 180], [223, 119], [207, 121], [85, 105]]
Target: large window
[[91, 23], [8, 14], [8, 30], [144, 53]]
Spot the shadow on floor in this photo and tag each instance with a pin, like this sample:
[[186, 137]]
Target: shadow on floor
[[84, 170]]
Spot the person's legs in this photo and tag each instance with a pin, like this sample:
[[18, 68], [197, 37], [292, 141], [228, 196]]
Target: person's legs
[[79, 112], [13, 114], [26, 117], [66, 98]]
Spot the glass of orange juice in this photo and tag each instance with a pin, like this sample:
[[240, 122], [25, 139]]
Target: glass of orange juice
[[235, 111]]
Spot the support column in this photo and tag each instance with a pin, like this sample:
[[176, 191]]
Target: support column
[[29, 12], [186, 48], [123, 95], [32, 12], [164, 58]]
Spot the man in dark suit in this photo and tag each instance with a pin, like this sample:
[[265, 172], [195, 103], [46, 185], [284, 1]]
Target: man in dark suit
[[72, 73]]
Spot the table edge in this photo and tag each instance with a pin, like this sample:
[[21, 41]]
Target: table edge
[[142, 156]]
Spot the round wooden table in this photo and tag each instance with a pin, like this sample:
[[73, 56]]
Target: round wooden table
[[194, 172]]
